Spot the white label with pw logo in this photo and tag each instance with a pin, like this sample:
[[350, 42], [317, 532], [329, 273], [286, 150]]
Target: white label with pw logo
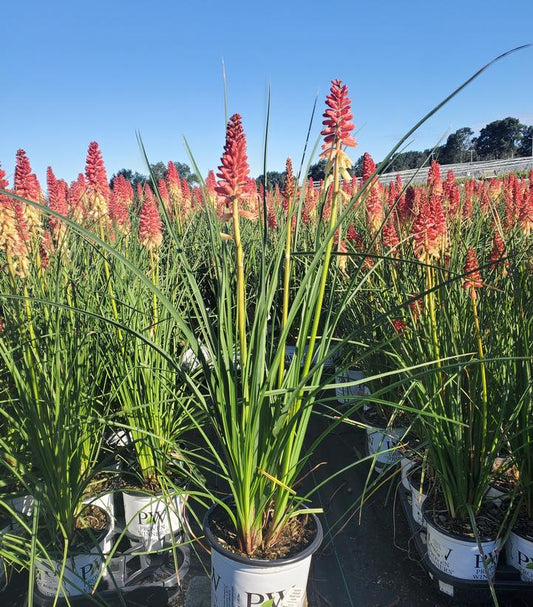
[[152, 518], [234, 584], [461, 558]]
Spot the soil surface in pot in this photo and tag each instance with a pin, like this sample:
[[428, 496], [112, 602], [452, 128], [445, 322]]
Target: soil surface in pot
[[488, 520], [524, 526], [89, 528], [297, 535], [149, 485], [103, 482], [380, 417], [422, 479], [93, 518]]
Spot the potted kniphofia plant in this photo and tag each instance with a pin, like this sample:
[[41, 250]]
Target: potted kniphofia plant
[[466, 422], [519, 340], [152, 405], [258, 410], [54, 382]]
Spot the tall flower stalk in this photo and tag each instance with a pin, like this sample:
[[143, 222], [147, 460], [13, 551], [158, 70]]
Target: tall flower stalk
[[233, 177]]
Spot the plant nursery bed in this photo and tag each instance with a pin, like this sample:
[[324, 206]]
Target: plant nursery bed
[[507, 582]]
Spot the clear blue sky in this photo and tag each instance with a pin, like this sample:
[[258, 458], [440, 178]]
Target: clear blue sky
[[74, 72]]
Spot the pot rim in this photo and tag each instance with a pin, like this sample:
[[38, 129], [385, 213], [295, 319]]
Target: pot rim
[[137, 492], [306, 552], [372, 427], [523, 536], [427, 514]]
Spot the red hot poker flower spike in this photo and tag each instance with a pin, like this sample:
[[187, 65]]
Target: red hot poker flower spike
[[234, 169], [150, 225], [473, 279], [337, 119], [97, 186]]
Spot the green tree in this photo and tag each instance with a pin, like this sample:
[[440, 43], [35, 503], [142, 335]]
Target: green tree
[[132, 176], [273, 178], [457, 146], [499, 139], [526, 144], [404, 161], [318, 170], [159, 169]]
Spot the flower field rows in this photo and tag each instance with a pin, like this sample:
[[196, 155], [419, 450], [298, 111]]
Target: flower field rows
[[152, 327]]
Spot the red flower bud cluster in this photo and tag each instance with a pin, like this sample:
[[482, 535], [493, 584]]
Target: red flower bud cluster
[[473, 278], [337, 119], [429, 229], [57, 201], [399, 325], [498, 253], [288, 186], [97, 194], [150, 225], [234, 169]]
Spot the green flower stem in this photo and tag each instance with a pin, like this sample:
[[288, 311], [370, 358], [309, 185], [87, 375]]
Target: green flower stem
[[484, 393], [286, 284], [288, 455], [109, 285], [241, 300]]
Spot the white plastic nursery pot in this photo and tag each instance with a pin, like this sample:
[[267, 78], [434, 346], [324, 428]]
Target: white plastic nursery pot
[[80, 575], [382, 441], [153, 518], [82, 570], [22, 504], [460, 557], [496, 496], [347, 375], [519, 554], [407, 464], [418, 497], [290, 351], [237, 581], [105, 501]]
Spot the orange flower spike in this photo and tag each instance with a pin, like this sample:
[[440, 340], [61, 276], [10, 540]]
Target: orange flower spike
[[399, 325], [337, 119], [76, 199], [525, 217], [150, 225], [234, 169], [25, 183], [165, 196], [391, 239], [120, 200], [57, 201], [10, 241], [186, 195], [369, 166], [174, 190], [497, 254], [27, 186], [473, 278], [98, 193], [46, 248], [434, 180], [288, 186], [337, 133]]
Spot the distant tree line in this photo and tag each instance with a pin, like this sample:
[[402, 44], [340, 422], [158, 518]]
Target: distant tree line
[[501, 139], [159, 170]]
